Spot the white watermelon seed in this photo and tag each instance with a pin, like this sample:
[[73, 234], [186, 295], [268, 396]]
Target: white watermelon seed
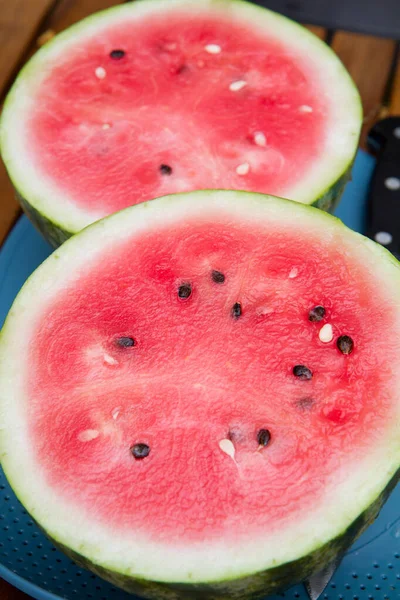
[[227, 447], [110, 360], [243, 169], [88, 435], [326, 333], [305, 108], [106, 126], [293, 273], [260, 139], [100, 73], [115, 413], [212, 48], [236, 86]]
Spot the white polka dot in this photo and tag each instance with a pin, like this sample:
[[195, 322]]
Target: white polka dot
[[326, 333], [396, 132], [213, 48], [260, 139], [236, 86], [392, 183], [88, 435], [305, 108], [243, 169], [100, 73], [227, 447], [384, 238]]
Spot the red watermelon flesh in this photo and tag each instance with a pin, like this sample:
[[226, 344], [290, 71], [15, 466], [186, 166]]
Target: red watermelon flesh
[[168, 102], [161, 97], [203, 388], [197, 375]]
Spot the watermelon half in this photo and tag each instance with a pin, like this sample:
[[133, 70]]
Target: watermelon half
[[164, 96], [200, 394]]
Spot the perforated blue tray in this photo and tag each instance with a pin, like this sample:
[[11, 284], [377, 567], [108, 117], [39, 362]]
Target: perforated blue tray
[[370, 570]]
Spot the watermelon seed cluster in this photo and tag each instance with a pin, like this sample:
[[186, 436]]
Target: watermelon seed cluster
[[344, 343]]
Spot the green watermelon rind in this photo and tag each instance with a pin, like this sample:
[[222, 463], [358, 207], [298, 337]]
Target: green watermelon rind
[[313, 551], [255, 586], [58, 221], [57, 235]]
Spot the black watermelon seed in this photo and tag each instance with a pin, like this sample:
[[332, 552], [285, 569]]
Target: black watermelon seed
[[125, 342], [166, 170], [305, 403], [263, 437], [345, 344], [117, 54], [140, 451], [316, 314], [302, 372], [184, 291], [218, 277], [236, 310]]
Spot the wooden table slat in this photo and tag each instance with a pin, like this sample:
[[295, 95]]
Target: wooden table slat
[[68, 12], [394, 100], [19, 23], [369, 61], [320, 32]]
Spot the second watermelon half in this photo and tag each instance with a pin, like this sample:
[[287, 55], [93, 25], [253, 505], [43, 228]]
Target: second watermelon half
[[156, 97]]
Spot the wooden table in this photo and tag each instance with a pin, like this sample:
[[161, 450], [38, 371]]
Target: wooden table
[[25, 25]]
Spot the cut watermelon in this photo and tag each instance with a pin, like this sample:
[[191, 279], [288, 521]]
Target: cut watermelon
[[199, 395], [165, 96]]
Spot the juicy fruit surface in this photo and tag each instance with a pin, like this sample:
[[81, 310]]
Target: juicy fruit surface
[[199, 373], [192, 102]]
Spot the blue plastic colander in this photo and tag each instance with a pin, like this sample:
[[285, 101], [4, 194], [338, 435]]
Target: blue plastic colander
[[370, 570]]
